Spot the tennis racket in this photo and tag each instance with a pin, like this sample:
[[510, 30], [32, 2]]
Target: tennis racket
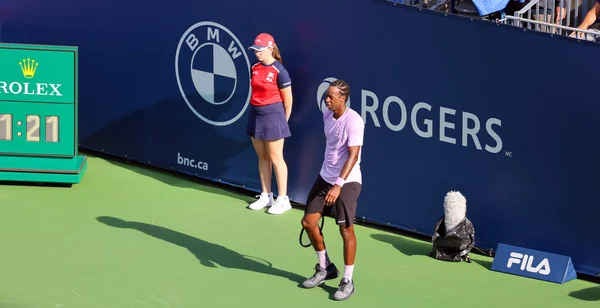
[[304, 235]]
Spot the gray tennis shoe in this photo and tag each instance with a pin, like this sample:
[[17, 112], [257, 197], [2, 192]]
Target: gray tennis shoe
[[321, 274], [345, 290]]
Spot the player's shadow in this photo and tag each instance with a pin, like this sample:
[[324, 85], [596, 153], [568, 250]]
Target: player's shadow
[[209, 254], [589, 294]]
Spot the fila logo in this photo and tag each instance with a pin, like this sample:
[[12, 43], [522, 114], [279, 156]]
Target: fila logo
[[526, 262]]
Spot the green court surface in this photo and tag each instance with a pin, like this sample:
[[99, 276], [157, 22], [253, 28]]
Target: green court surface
[[131, 237]]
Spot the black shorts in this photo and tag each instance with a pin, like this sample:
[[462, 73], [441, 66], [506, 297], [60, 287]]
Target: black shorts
[[344, 207]]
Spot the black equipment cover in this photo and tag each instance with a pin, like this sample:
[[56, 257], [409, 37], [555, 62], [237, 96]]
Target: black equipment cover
[[454, 245]]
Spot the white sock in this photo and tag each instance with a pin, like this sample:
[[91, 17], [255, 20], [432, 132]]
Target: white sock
[[348, 269], [323, 258]]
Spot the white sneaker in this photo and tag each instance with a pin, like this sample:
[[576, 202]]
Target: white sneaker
[[264, 200], [281, 205]]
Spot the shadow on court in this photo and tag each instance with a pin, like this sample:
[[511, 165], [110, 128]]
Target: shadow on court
[[405, 246], [589, 294], [417, 248], [175, 179], [35, 184], [172, 178], [484, 263], [207, 253]]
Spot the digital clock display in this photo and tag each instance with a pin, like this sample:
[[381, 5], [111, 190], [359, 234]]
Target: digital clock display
[[38, 109], [32, 128], [38, 114]]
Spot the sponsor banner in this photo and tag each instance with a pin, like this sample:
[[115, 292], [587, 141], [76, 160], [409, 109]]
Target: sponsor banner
[[533, 264], [443, 111]]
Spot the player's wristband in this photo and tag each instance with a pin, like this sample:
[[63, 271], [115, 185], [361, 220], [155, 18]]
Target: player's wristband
[[339, 181]]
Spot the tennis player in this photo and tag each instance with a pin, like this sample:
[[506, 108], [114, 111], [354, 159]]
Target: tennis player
[[271, 107], [337, 187]]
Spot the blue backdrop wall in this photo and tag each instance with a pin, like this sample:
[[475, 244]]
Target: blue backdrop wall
[[508, 117]]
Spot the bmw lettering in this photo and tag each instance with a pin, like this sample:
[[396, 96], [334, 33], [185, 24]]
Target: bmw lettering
[[213, 73], [420, 117]]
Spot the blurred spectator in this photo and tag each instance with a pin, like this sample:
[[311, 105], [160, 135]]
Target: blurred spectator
[[590, 23]]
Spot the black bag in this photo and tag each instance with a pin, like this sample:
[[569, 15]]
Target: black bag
[[453, 245]]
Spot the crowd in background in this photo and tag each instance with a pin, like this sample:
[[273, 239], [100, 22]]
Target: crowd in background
[[572, 18]]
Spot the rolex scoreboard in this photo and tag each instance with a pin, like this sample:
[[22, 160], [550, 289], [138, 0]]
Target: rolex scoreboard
[[38, 114]]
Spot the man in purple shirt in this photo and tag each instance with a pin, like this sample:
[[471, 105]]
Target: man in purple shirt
[[337, 187]]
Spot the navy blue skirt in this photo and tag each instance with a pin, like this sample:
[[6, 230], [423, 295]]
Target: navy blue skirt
[[268, 122]]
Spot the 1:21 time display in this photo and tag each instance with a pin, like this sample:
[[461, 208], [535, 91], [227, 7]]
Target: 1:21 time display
[[51, 125]]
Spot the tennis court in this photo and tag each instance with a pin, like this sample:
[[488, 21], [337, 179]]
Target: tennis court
[[128, 236]]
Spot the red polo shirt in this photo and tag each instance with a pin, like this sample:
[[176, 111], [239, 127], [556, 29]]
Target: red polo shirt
[[267, 80]]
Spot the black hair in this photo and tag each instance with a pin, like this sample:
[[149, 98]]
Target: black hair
[[343, 86]]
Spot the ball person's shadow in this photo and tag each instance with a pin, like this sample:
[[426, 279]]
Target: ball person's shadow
[[207, 253]]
